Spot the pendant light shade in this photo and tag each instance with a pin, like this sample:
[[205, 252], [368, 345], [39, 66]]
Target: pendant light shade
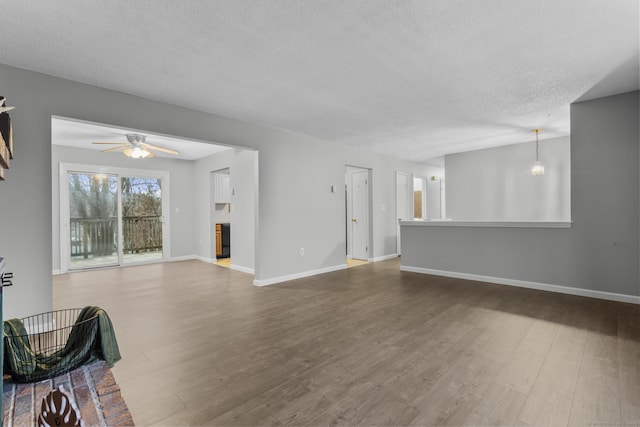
[[537, 168]]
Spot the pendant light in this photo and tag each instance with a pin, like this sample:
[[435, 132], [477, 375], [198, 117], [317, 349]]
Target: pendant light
[[537, 169]]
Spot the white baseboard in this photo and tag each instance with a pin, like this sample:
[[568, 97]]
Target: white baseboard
[[213, 261], [280, 279], [172, 259], [186, 258], [242, 269], [525, 284], [383, 258]]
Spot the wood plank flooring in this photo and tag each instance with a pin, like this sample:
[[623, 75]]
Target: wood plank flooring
[[351, 262], [224, 262], [363, 346]]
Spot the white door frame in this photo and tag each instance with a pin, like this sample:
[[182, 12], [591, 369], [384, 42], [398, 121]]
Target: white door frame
[[360, 220], [407, 203], [65, 168], [349, 170]]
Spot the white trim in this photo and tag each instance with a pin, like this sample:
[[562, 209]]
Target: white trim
[[496, 224], [242, 269], [212, 261], [350, 170], [632, 299], [408, 203], [64, 232], [188, 258], [56, 272], [383, 258], [280, 279]]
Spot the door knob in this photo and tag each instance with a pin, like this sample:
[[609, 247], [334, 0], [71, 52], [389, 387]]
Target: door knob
[[354, 220]]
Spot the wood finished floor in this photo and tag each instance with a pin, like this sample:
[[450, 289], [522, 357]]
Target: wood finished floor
[[355, 262], [224, 262], [364, 346]]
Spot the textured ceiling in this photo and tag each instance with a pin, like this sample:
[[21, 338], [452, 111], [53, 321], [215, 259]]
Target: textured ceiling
[[413, 79]]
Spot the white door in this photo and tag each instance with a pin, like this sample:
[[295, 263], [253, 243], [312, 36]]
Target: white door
[[360, 215], [404, 203]]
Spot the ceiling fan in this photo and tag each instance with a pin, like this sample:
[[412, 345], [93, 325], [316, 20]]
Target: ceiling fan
[[136, 147]]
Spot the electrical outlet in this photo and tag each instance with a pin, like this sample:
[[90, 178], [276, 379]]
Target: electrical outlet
[[301, 251]]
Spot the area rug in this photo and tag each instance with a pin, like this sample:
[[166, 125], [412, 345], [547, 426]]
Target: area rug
[[92, 387]]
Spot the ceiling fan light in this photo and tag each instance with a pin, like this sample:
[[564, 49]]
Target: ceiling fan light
[[139, 153], [137, 148]]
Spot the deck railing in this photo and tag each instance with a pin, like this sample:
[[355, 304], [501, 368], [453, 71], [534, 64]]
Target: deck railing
[[99, 236]]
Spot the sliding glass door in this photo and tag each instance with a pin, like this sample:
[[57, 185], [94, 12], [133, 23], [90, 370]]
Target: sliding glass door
[[93, 220], [141, 219], [113, 217]]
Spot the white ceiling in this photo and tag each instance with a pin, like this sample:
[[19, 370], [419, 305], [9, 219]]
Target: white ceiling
[[80, 134], [413, 79]]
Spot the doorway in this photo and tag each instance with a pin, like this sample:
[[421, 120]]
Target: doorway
[[435, 188], [404, 203], [358, 220], [112, 217], [220, 188], [420, 206]]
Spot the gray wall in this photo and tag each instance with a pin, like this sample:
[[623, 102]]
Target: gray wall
[[496, 184], [599, 252], [296, 208], [180, 193]]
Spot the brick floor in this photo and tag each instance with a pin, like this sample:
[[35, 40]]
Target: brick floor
[[93, 389]]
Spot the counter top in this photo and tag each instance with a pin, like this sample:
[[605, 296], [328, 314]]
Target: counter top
[[495, 224]]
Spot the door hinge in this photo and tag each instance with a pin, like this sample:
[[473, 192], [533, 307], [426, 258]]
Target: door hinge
[[366, 248]]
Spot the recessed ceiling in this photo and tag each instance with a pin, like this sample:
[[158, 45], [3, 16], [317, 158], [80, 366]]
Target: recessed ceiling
[[413, 78], [80, 134]]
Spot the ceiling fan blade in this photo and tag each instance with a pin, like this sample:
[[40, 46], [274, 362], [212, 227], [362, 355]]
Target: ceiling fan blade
[[109, 150], [164, 150], [121, 143]]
